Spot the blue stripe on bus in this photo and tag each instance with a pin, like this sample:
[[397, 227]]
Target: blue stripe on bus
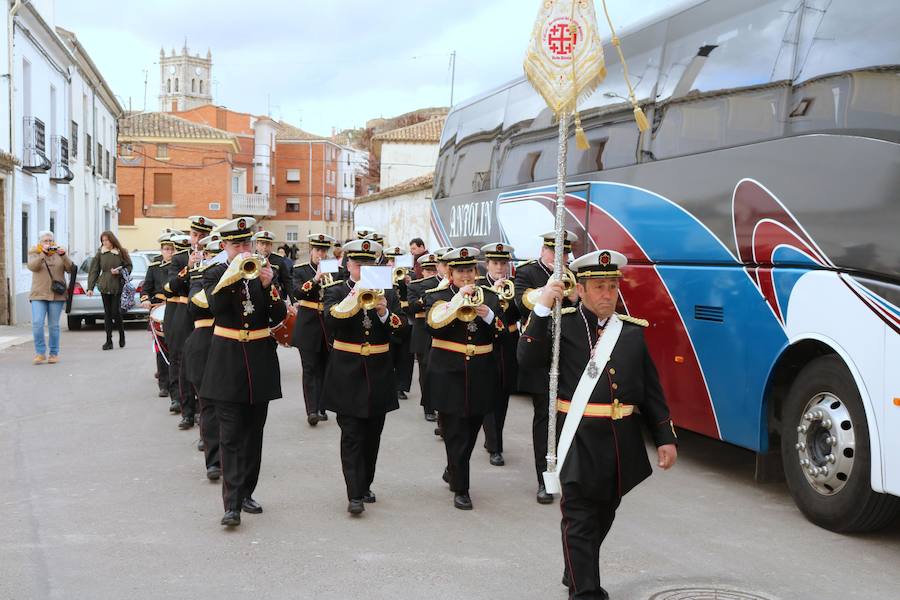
[[784, 278]]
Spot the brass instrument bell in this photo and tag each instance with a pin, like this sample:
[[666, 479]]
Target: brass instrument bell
[[399, 274], [367, 299], [466, 312]]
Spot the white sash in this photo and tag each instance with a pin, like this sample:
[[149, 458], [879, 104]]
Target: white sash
[[580, 399]]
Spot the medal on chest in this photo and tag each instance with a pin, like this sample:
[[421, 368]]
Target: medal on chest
[[471, 326], [366, 322], [593, 370], [247, 303]]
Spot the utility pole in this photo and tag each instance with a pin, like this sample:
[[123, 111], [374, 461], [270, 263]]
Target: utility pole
[[144, 108], [452, 75]]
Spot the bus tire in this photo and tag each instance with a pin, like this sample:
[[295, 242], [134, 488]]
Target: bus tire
[[826, 452]]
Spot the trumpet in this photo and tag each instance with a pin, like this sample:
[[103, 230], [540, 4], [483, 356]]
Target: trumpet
[[367, 299], [326, 279], [466, 311], [506, 290], [531, 297], [250, 266], [400, 274]]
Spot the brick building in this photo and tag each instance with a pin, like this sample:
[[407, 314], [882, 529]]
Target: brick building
[[170, 168]]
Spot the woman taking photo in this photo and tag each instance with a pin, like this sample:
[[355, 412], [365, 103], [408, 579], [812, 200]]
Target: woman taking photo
[[106, 273], [49, 263]]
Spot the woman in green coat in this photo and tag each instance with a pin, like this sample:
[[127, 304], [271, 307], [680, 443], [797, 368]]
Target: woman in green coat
[[106, 273]]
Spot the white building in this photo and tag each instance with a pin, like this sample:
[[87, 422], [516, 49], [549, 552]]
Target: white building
[[401, 212], [62, 120], [408, 152]]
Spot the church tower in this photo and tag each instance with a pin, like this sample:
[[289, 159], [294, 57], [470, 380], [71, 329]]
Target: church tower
[[185, 80]]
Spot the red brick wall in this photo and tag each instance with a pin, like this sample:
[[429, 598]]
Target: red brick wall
[[314, 183], [201, 174]]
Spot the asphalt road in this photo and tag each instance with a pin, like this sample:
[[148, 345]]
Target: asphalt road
[[103, 497]]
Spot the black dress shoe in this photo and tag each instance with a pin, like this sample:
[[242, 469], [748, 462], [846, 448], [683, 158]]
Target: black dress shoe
[[201, 445], [186, 422], [402, 395], [213, 473], [249, 505], [565, 580], [497, 459], [323, 416], [543, 497], [312, 419], [438, 432], [430, 417], [462, 502], [446, 475], [368, 497], [174, 407], [232, 518], [163, 393], [121, 340], [356, 506], [108, 345]]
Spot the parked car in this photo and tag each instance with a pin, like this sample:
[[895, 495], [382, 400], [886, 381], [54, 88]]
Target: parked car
[[88, 310]]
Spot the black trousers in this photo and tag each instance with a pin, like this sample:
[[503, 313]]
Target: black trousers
[[360, 440], [112, 314], [313, 363], [585, 523], [460, 435], [162, 367], [175, 374], [240, 449], [541, 403], [403, 364], [209, 432], [188, 393], [422, 358], [494, 422]]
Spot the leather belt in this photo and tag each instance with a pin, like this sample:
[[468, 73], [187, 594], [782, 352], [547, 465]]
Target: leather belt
[[241, 335], [421, 315], [362, 349], [159, 296], [319, 306], [178, 299], [612, 411], [467, 349], [203, 323]]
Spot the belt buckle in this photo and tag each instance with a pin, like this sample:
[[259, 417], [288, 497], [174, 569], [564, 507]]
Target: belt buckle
[[616, 411], [470, 349], [364, 349], [243, 335]]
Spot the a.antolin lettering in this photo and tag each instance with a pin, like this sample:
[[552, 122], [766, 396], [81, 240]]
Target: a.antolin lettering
[[471, 220]]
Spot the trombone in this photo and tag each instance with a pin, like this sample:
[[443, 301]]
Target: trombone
[[531, 297]]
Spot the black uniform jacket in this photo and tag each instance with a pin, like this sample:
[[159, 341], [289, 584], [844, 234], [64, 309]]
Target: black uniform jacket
[[402, 335], [196, 347], [607, 457], [420, 340], [282, 270], [459, 384], [154, 280], [356, 385], [507, 347], [178, 285], [309, 329], [532, 275], [173, 267], [239, 371]]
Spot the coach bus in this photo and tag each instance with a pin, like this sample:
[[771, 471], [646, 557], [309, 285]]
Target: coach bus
[[760, 216]]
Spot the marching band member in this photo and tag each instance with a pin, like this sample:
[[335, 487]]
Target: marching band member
[[181, 324], [283, 267], [182, 248], [462, 370], [152, 296], [535, 382], [420, 337], [196, 353], [400, 343], [310, 335], [602, 454], [242, 372], [497, 257], [359, 384]]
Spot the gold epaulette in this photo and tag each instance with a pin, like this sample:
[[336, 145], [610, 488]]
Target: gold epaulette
[[635, 320], [443, 285], [335, 282], [568, 310], [419, 279], [301, 265], [527, 262], [200, 299], [154, 264]]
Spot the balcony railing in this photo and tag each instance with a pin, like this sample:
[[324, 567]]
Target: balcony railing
[[59, 155], [251, 205], [35, 145]]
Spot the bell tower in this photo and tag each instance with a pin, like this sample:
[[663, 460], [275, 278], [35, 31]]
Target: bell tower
[[185, 81]]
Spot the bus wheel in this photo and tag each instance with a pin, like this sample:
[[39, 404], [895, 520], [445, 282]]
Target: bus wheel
[[826, 453]]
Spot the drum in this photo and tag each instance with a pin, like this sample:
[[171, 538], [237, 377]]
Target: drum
[[156, 319], [284, 331]]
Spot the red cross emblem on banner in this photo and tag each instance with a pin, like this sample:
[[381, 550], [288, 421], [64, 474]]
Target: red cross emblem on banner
[[562, 36]]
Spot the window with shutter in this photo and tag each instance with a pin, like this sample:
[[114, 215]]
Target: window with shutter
[[162, 188]]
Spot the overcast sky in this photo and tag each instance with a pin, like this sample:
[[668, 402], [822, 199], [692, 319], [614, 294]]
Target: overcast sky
[[319, 64]]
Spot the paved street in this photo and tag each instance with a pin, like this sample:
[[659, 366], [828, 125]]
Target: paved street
[[103, 497]]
